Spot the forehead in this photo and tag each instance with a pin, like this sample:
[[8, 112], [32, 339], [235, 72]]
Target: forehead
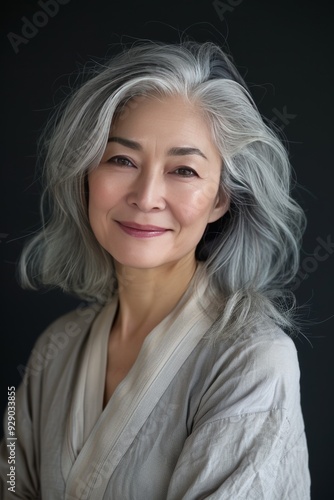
[[163, 115]]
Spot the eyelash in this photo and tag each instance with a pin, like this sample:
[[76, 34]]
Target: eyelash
[[116, 159], [190, 170]]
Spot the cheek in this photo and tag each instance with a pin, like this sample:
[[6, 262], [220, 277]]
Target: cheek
[[101, 192], [196, 204], [95, 187]]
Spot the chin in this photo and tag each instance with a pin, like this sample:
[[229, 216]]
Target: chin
[[140, 261]]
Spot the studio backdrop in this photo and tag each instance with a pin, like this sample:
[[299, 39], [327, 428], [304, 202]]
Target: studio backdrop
[[284, 51]]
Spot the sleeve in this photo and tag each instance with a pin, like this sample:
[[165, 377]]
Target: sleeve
[[19, 463], [248, 440], [33, 400]]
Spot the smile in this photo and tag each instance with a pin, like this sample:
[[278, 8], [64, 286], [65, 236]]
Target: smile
[[140, 231]]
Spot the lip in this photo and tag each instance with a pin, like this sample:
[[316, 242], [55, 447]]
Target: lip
[[141, 231]]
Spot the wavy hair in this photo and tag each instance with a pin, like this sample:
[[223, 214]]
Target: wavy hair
[[250, 256]]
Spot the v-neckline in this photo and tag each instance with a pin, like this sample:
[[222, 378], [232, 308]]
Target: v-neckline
[[162, 354]]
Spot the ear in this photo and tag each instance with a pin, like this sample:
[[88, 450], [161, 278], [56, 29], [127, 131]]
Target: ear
[[222, 204]]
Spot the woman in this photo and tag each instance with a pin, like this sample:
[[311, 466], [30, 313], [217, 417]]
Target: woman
[[168, 207]]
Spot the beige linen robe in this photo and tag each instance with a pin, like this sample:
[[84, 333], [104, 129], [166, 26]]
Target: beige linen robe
[[191, 420]]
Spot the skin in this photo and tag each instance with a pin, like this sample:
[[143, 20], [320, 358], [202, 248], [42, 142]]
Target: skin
[[151, 184]]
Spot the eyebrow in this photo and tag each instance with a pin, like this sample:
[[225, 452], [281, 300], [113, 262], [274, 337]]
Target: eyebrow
[[176, 151]]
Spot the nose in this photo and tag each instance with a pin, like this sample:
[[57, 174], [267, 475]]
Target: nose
[[148, 192]]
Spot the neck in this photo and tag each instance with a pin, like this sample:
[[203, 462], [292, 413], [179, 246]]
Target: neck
[[147, 296]]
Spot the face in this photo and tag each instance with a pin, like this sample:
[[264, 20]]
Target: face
[[156, 187]]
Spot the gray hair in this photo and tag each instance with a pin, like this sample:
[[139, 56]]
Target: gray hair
[[250, 256]]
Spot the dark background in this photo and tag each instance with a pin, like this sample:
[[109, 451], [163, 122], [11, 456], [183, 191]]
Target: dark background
[[284, 51]]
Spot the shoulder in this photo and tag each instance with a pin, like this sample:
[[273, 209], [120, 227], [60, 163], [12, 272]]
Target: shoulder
[[256, 372], [60, 341], [70, 325], [265, 347]]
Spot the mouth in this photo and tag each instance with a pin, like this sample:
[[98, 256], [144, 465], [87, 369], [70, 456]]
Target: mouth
[[141, 231]]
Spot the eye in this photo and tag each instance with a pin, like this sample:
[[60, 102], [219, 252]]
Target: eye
[[121, 161], [185, 172]]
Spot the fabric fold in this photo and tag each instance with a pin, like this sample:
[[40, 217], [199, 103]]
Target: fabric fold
[[96, 446]]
